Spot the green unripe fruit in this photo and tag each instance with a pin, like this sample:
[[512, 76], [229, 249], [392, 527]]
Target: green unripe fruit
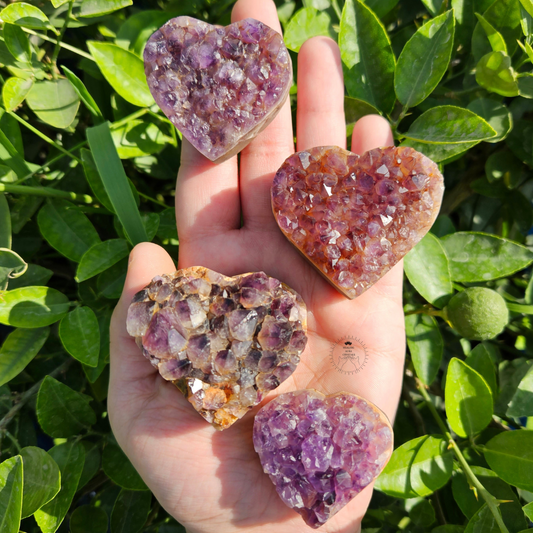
[[477, 313]]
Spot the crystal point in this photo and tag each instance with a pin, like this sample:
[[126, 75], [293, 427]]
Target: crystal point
[[223, 355], [321, 451], [354, 217], [219, 86]]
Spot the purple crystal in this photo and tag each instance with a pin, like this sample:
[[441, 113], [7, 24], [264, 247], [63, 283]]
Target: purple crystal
[[219, 86], [319, 451], [222, 352]]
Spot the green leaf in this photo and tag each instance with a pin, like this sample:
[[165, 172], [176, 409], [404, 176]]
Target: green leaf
[[449, 125], [354, 109], [58, 3], [439, 152], [526, 20], [54, 102], [97, 8], [119, 469], [483, 522], [69, 457], [468, 399], [528, 510], [150, 223], [101, 257], [94, 180], [395, 480], [425, 345], [5, 222], [19, 348], [510, 374], [306, 23], [23, 14], [432, 465], [104, 321], [11, 266], [522, 402], [433, 6], [527, 49], [124, 71], [35, 275], [510, 455], [464, 14], [32, 307], [61, 411], [470, 503], [495, 38], [167, 224], [130, 511], [10, 494], [137, 29], [477, 256], [42, 479], [520, 141], [17, 43], [503, 16], [115, 182], [496, 114], [424, 60], [111, 282], [88, 519], [11, 157], [138, 138], [381, 7], [426, 267], [367, 56], [528, 6], [14, 92], [495, 73], [67, 229], [80, 335], [83, 94], [92, 462], [480, 360], [525, 84]]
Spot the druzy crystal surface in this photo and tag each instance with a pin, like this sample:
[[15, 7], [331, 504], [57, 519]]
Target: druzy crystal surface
[[321, 451], [354, 217], [220, 86], [225, 342]]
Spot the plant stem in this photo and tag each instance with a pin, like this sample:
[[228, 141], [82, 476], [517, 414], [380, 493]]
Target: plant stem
[[43, 136], [29, 393], [59, 39], [61, 44], [150, 199], [492, 502], [46, 192], [337, 9]]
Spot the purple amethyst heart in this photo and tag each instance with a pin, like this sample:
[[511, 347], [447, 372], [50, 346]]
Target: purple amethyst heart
[[219, 86], [225, 342], [321, 451]]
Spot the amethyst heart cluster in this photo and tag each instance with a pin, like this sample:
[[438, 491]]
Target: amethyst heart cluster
[[219, 86], [224, 342]]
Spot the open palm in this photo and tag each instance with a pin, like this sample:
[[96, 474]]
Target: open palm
[[210, 480]]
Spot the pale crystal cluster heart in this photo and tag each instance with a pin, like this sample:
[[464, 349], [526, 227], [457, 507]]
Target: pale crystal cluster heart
[[224, 341], [219, 86], [321, 451], [354, 217]]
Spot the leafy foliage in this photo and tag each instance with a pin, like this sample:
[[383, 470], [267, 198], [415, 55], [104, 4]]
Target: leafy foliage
[[87, 170]]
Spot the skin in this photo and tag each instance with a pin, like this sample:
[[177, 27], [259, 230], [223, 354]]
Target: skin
[[210, 480]]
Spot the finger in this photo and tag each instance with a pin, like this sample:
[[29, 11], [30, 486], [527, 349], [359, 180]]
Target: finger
[[372, 131], [265, 154], [127, 363], [207, 196], [320, 115]]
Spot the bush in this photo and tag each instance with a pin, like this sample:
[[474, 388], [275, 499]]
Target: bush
[[455, 85]]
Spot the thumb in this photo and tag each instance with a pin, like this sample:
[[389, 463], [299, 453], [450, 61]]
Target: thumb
[[127, 364]]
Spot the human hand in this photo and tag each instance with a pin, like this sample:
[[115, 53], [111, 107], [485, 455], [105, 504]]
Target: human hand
[[213, 481]]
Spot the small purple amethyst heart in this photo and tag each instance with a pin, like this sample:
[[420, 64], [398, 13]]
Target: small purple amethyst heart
[[219, 86], [321, 451]]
